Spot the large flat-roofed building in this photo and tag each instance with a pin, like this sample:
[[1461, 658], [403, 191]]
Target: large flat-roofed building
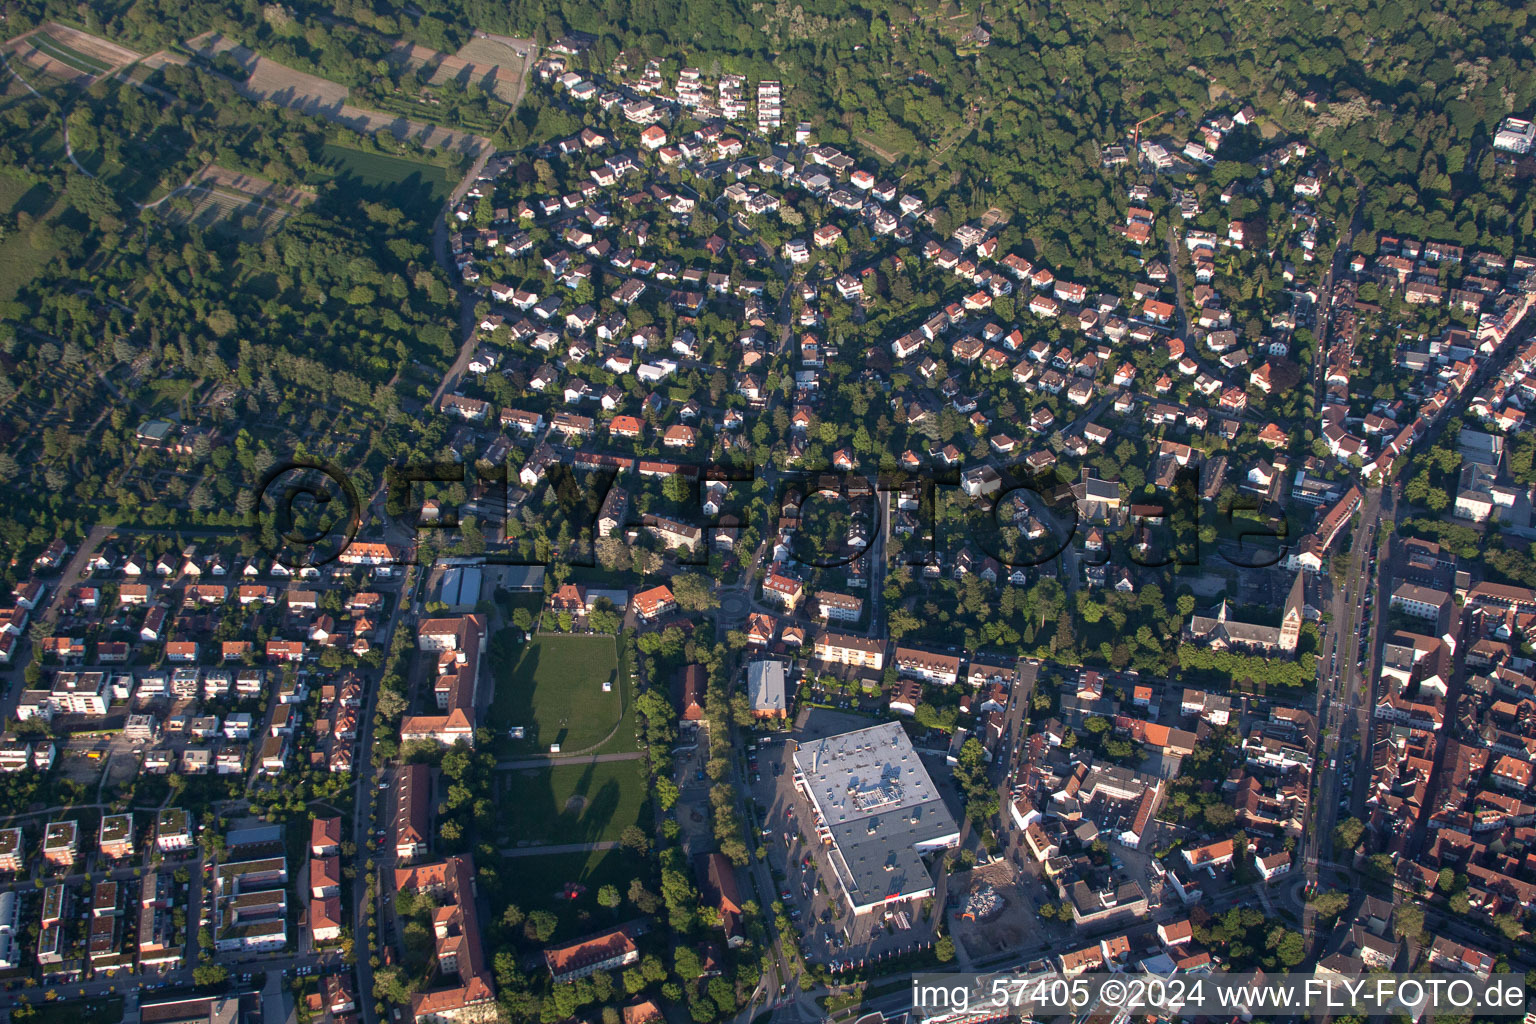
[[460, 588], [1515, 135], [878, 810], [250, 901], [115, 836], [61, 843]]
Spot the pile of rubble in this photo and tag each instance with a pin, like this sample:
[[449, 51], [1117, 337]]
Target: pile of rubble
[[983, 904]]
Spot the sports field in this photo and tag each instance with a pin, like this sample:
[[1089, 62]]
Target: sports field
[[554, 691], [548, 874]]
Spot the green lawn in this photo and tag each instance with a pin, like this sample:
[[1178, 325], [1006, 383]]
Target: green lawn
[[20, 190], [25, 252], [623, 739], [573, 803], [416, 185], [554, 690]]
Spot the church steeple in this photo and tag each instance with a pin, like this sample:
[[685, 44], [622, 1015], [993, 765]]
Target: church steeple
[[1290, 622]]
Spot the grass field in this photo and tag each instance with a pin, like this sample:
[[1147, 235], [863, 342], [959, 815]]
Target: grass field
[[511, 602], [168, 394], [411, 184], [554, 690], [15, 186], [23, 253], [573, 803]]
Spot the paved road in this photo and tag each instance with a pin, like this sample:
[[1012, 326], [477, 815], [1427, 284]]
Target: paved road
[[1345, 693], [365, 791], [73, 570], [467, 295], [1343, 697]]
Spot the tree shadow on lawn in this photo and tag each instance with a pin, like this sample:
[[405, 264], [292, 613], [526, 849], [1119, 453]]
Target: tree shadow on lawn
[[516, 708], [582, 817]]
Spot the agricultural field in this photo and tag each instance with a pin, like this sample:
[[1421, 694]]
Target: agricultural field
[[512, 59], [554, 691], [429, 136], [42, 69], [208, 208], [88, 48], [573, 803], [434, 84], [59, 53], [268, 80], [215, 176]]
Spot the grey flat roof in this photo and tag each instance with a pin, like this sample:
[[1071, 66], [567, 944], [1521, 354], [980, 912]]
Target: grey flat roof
[[878, 803], [765, 685], [461, 585], [522, 577]]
